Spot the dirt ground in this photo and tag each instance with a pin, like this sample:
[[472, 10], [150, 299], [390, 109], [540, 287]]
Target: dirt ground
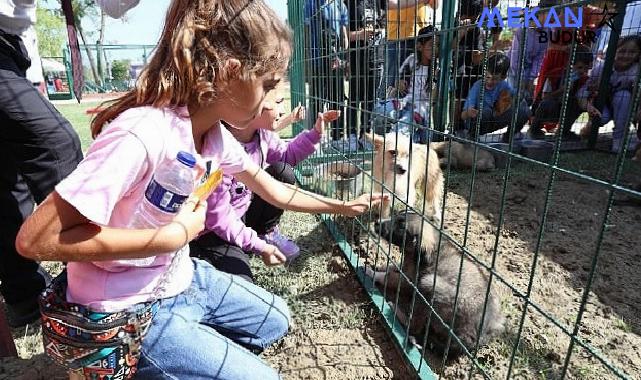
[[338, 335], [575, 212], [576, 209]]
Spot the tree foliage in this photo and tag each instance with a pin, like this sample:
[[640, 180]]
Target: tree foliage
[[120, 69], [51, 31]]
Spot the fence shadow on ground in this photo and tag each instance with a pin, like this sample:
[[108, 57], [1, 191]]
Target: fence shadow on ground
[[575, 214]]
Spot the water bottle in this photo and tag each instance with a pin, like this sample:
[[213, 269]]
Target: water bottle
[[170, 186]]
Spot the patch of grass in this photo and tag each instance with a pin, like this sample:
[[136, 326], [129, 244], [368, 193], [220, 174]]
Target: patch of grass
[[307, 286], [318, 297], [587, 372], [528, 359], [28, 340], [79, 119], [621, 324]]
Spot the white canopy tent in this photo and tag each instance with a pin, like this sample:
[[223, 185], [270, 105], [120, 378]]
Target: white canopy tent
[[51, 65]]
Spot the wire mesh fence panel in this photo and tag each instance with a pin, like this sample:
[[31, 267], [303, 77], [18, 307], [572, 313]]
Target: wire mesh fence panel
[[503, 134]]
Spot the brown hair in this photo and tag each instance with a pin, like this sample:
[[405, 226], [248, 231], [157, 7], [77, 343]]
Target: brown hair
[[199, 36]]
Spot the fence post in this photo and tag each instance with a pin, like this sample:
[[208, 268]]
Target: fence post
[[67, 61], [296, 68], [441, 115]]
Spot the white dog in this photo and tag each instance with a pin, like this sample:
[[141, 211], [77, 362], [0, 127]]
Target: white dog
[[393, 169]]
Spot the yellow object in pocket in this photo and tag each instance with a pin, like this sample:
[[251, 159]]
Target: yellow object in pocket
[[204, 190]]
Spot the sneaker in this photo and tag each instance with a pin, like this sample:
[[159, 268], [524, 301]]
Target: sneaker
[[26, 311], [284, 244]]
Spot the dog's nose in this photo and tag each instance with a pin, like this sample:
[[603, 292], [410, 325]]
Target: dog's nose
[[400, 169]]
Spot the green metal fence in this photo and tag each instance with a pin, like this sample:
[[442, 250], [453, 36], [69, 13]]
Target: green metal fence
[[106, 68], [554, 228]]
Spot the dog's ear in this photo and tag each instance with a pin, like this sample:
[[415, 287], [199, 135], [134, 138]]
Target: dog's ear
[[375, 139]]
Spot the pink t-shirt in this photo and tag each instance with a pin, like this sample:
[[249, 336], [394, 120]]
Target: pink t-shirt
[[110, 183]]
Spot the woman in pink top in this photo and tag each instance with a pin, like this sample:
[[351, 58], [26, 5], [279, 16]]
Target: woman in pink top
[[216, 60]]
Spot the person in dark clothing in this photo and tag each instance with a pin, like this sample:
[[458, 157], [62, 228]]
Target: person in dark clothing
[[364, 68], [468, 54], [38, 148], [327, 22]]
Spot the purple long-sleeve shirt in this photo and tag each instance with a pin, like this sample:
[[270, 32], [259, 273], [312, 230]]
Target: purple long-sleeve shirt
[[230, 201], [534, 52]]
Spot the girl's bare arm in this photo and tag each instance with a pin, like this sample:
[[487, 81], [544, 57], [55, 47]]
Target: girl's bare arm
[[292, 198], [58, 232]]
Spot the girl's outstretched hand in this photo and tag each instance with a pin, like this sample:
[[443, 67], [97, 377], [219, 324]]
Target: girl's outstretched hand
[[189, 221], [361, 204], [272, 256], [324, 118]]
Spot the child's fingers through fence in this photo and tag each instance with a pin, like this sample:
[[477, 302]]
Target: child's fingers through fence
[[331, 115], [362, 203]]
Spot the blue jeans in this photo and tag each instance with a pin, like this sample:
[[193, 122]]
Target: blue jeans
[[621, 103], [491, 123], [402, 120], [206, 332]]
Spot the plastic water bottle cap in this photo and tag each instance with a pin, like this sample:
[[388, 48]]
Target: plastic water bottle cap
[[186, 158]]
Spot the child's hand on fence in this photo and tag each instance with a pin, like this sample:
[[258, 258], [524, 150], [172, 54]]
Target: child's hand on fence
[[298, 114], [477, 57], [324, 118], [272, 256], [361, 204]]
